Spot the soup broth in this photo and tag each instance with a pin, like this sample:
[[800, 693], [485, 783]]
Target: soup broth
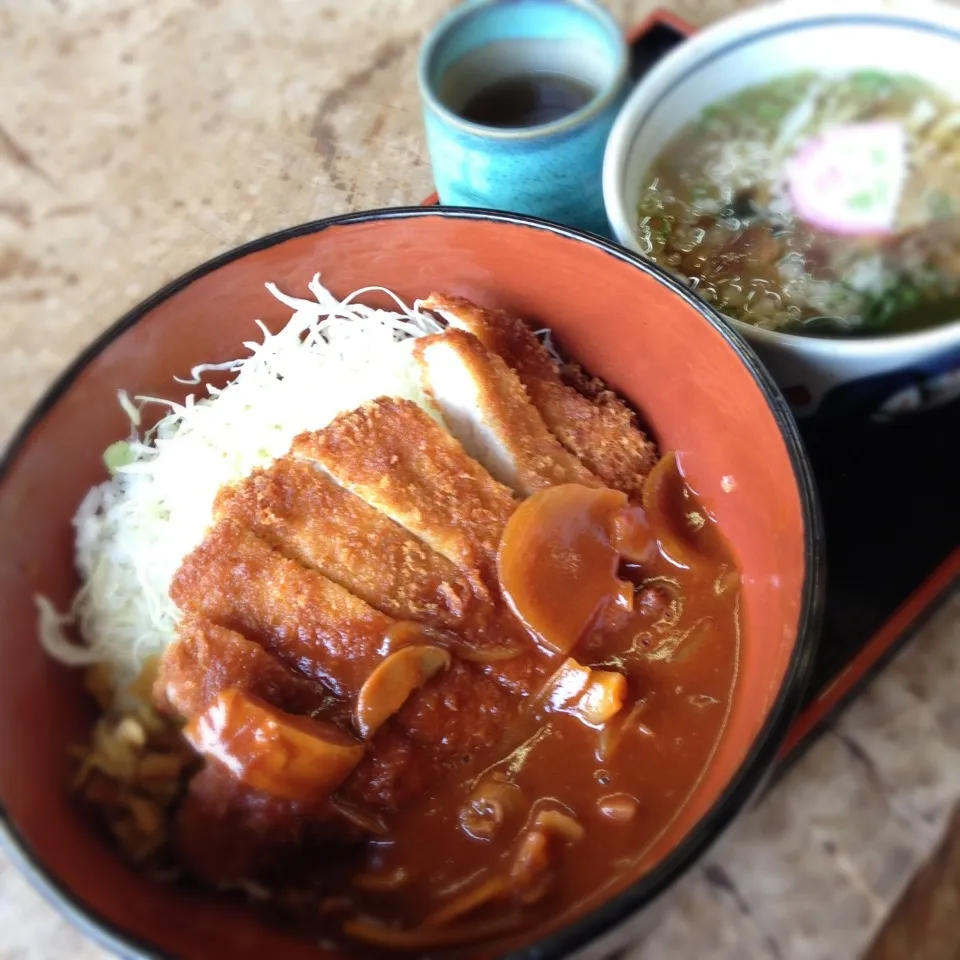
[[815, 204]]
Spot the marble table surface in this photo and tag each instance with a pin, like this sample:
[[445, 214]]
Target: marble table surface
[[140, 137]]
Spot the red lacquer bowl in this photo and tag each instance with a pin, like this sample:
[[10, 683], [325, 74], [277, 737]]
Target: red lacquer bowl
[[696, 383]]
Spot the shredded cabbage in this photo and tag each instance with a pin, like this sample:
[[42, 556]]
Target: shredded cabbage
[[133, 530]]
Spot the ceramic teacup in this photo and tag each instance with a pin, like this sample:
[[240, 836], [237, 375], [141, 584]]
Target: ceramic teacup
[[551, 169]]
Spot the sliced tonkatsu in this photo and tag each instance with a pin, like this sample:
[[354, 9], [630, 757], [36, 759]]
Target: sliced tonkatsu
[[487, 409], [207, 659], [311, 623], [591, 421], [238, 593], [391, 454], [297, 507]]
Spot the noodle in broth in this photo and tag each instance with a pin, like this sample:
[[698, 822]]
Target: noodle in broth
[[815, 204]]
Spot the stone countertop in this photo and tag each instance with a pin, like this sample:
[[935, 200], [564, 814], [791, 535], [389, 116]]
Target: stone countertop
[[140, 137]]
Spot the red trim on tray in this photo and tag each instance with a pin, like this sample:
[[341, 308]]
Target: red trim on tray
[[664, 17], [832, 696]]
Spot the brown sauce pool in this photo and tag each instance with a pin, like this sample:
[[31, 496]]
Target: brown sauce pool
[[605, 792]]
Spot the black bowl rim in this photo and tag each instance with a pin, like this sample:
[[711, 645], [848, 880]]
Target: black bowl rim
[[745, 782]]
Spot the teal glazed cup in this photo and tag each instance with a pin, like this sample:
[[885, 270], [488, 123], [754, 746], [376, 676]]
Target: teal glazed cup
[[553, 170]]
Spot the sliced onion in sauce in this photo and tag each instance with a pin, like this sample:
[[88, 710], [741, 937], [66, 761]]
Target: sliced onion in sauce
[[531, 862], [363, 819], [395, 938], [664, 500], [405, 633], [695, 637], [618, 807], [612, 734], [559, 823], [677, 646], [491, 654], [381, 882], [491, 889], [532, 872]]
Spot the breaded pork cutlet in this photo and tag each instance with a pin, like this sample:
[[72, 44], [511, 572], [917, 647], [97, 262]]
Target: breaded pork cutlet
[[456, 713], [227, 831], [487, 409], [311, 623], [299, 509], [317, 628], [449, 717], [395, 457], [591, 421], [207, 659]]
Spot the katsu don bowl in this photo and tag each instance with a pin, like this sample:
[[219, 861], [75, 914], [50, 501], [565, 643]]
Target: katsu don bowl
[[420, 581]]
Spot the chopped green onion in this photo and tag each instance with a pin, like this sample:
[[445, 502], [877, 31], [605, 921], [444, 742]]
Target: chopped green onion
[[940, 205], [117, 455]]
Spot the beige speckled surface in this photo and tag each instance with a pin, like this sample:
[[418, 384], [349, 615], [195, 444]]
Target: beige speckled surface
[[138, 137]]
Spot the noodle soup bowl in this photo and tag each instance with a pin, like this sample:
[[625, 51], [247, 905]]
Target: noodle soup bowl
[[877, 376], [700, 390]]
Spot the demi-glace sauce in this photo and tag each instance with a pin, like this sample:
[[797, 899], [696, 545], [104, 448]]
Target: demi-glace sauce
[[621, 784]]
